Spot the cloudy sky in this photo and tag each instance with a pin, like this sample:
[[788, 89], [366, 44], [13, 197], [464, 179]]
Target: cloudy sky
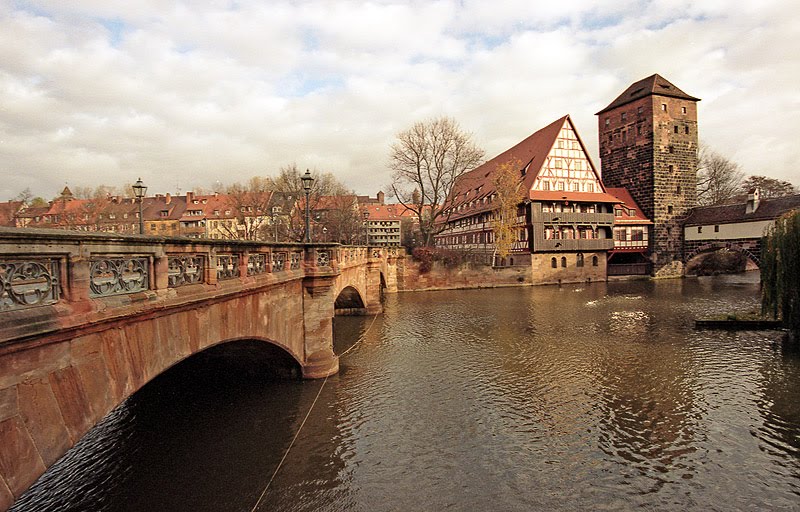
[[186, 94]]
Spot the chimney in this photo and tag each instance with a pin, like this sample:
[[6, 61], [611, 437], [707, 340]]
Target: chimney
[[189, 197], [167, 198], [753, 199], [381, 196]]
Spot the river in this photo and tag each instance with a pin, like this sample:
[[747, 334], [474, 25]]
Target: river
[[584, 397]]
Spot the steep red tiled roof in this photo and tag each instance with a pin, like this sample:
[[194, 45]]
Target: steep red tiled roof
[[7, 212], [653, 84], [730, 213], [387, 211], [529, 154], [632, 214], [561, 195]]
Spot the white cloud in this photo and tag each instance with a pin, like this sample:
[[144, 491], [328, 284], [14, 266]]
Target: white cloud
[[102, 92]]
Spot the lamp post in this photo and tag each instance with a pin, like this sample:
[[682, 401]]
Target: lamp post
[[366, 227], [307, 182], [139, 190]]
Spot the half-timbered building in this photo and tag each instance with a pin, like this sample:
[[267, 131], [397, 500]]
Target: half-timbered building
[[563, 227]]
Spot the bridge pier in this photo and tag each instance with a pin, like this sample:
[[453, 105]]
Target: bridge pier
[[318, 298]]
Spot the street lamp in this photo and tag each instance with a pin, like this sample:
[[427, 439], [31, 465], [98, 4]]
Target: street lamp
[[366, 227], [307, 182], [139, 190]]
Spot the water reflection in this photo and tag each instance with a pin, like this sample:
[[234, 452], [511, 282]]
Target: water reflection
[[595, 397]]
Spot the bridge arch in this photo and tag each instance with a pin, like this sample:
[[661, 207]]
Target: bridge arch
[[750, 253], [349, 301]]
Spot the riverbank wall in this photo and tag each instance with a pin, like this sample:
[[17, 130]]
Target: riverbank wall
[[411, 277]]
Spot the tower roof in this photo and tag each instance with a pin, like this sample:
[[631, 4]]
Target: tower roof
[[652, 85]]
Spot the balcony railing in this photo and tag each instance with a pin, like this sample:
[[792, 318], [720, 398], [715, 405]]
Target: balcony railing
[[574, 244], [591, 219]]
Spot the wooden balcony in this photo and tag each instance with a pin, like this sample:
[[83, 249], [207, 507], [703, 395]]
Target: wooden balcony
[[576, 244], [573, 218]]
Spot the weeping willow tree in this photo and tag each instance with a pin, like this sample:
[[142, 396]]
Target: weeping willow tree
[[780, 271]]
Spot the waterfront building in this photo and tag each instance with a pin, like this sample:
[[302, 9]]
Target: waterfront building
[[631, 237], [564, 218], [648, 145], [737, 227]]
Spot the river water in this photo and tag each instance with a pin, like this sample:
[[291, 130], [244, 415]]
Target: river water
[[586, 397]]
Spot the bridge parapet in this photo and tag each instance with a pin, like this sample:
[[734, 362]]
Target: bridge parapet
[[86, 319], [53, 280]]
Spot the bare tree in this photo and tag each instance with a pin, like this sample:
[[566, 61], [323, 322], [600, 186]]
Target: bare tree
[[770, 187], [426, 160], [719, 180], [250, 206], [289, 184]]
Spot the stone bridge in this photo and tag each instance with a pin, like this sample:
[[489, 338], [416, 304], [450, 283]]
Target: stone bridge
[[87, 319], [750, 247]]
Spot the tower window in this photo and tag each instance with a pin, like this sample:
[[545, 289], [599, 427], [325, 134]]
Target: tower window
[[638, 129], [639, 110], [664, 107], [671, 168], [678, 189], [564, 262], [676, 128], [699, 229], [608, 121], [671, 149], [623, 116], [686, 130], [669, 209], [716, 228], [683, 110]]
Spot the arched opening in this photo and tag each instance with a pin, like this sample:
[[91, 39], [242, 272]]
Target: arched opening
[[553, 263], [178, 442], [720, 260], [564, 262], [349, 302]]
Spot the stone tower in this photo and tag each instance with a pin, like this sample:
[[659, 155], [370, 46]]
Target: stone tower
[[648, 144]]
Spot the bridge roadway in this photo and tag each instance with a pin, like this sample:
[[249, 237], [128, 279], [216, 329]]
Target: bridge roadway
[[86, 319]]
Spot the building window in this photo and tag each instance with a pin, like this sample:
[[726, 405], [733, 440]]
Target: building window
[[608, 121], [669, 209], [683, 110], [623, 116], [663, 107], [716, 229], [637, 234], [686, 130], [676, 128], [590, 187], [564, 261], [594, 261], [579, 260], [638, 129], [553, 262], [545, 185], [699, 229]]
